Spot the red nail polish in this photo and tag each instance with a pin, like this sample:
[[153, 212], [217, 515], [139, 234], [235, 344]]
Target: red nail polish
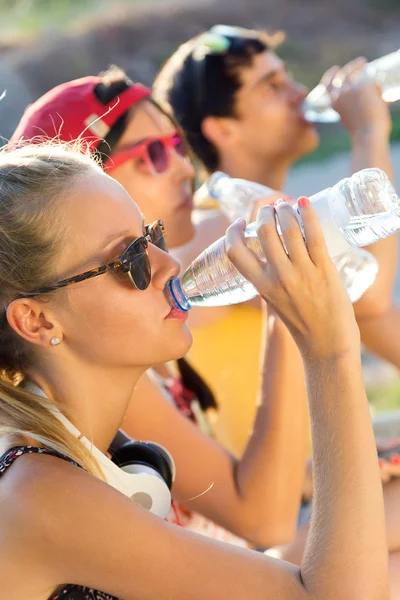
[[395, 459], [303, 202], [381, 463], [279, 201]]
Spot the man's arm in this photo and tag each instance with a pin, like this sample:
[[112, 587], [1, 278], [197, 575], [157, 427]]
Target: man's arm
[[367, 118]]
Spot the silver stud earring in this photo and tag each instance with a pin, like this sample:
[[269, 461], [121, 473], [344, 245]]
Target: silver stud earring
[[55, 341]]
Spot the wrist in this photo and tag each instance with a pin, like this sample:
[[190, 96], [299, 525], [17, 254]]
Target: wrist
[[329, 360], [368, 134], [324, 354]]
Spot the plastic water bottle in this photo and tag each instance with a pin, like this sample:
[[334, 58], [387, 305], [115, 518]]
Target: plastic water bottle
[[357, 211], [237, 198], [384, 71]]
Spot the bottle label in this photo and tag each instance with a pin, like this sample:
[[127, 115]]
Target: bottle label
[[334, 237]]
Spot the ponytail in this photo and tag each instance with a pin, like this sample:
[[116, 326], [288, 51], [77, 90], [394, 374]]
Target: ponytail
[[29, 416]]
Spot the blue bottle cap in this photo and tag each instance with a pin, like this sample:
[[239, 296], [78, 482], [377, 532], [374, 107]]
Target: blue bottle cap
[[176, 295]]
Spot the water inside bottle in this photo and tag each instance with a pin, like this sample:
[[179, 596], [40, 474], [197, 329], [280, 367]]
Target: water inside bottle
[[212, 280], [358, 271], [371, 210], [368, 229], [385, 71]]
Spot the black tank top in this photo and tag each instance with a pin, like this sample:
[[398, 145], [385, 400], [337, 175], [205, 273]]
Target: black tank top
[[69, 592]]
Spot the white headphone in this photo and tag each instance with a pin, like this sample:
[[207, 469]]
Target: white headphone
[[144, 471]]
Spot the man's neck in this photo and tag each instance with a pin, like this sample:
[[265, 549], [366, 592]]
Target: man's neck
[[272, 175]]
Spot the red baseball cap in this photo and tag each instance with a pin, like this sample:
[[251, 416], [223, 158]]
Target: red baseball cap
[[72, 110]]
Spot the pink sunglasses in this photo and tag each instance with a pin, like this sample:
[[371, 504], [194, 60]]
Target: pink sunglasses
[[155, 152]]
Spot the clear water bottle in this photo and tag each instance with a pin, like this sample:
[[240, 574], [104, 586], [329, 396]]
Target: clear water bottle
[[385, 71], [357, 211], [237, 198]]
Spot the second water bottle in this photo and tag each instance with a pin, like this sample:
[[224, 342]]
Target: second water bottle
[[357, 211]]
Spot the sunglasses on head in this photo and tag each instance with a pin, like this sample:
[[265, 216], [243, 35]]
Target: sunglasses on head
[[134, 261], [155, 151], [219, 40]]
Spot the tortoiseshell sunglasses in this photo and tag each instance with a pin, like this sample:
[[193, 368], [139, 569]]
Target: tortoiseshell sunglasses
[[134, 261]]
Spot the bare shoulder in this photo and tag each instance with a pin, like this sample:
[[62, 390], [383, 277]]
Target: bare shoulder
[[67, 526], [34, 483], [47, 500], [37, 496], [57, 510]]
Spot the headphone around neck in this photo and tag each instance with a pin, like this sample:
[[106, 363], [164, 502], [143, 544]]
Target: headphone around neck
[[143, 471]]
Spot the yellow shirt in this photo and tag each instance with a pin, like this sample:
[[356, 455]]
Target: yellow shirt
[[227, 355]]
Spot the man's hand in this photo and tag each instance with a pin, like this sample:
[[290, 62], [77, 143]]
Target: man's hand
[[358, 100]]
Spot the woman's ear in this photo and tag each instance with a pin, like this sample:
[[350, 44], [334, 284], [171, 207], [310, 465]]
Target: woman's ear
[[34, 322]]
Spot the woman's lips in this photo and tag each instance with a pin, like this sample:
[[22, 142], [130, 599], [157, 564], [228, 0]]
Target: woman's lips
[[186, 202], [176, 313]]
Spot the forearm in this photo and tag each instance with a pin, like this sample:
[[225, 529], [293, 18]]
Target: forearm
[[270, 474], [371, 148], [380, 334], [347, 538], [375, 310]]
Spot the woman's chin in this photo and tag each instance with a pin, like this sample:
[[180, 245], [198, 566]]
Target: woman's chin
[[181, 345]]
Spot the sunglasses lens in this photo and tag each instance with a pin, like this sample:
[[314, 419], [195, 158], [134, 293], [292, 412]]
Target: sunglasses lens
[[179, 146], [136, 258], [158, 237], [158, 155], [140, 271]]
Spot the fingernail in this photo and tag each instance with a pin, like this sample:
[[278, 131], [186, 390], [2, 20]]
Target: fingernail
[[303, 202], [395, 459], [381, 463], [280, 201]]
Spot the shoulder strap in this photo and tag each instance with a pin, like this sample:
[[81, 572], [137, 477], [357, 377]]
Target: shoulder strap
[[8, 457]]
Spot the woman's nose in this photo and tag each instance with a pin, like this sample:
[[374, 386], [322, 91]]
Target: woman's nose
[[182, 166], [163, 267]]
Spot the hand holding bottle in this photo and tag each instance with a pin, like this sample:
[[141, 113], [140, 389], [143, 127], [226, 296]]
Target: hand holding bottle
[[302, 286], [358, 99], [384, 71]]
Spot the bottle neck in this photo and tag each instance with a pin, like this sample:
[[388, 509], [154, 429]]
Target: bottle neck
[[176, 296]]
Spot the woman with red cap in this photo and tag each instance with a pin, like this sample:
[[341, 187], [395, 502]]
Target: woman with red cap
[[255, 498]]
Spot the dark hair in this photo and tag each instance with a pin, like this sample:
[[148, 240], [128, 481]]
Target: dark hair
[[192, 381], [115, 81], [192, 91]]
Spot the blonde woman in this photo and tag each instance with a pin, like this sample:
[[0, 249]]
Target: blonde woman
[[83, 315]]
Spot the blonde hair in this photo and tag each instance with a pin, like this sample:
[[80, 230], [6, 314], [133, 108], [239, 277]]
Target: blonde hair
[[33, 179]]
